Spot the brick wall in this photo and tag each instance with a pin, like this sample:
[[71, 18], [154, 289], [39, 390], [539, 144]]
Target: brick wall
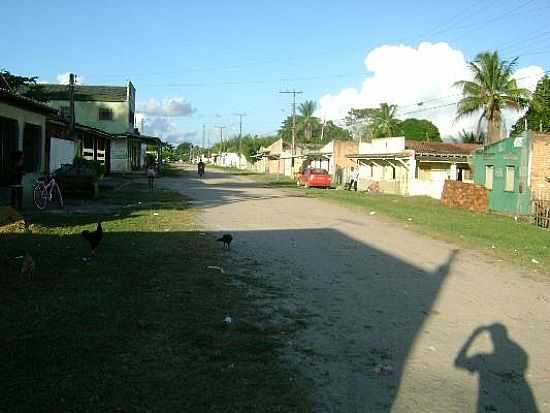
[[540, 167], [464, 195]]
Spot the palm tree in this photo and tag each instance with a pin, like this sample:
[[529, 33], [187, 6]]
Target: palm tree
[[383, 121], [491, 91], [306, 110]]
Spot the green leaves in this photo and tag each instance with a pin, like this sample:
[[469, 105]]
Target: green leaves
[[491, 91]]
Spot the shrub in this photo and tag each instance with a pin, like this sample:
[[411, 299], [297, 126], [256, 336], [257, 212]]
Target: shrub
[[96, 166]]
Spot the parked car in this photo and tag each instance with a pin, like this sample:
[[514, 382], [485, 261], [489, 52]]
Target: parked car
[[314, 177]]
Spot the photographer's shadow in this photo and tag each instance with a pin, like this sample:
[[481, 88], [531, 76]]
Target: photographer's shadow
[[502, 383]]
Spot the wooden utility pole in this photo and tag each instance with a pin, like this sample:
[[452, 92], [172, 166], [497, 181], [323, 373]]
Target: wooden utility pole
[[221, 128], [240, 115], [294, 93], [72, 77]]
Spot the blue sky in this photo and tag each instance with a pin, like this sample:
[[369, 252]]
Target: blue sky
[[226, 57]]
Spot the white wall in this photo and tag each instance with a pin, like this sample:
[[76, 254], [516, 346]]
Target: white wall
[[119, 155], [383, 145], [62, 151]]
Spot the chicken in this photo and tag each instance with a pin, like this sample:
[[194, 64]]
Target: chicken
[[226, 239], [94, 238], [27, 267]]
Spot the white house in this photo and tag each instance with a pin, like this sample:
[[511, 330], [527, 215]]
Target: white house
[[404, 167]]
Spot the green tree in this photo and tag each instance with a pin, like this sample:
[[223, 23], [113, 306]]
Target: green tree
[[538, 114], [491, 91], [306, 111], [420, 130], [375, 122], [183, 150], [330, 132], [168, 151], [472, 137], [24, 85]]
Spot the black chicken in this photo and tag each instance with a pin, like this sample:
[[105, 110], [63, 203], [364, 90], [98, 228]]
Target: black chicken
[[226, 239], [94, 238]]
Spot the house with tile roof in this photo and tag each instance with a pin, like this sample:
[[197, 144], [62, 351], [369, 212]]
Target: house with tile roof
[[399, 166], [110, 109]]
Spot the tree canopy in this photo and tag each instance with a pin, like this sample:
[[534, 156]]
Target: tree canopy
[[26, 86], [492, 90], [538, 114], [419, 130]]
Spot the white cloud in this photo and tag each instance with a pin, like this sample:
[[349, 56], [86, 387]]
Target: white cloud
[[405, 76], [166, 129], [63, 79], [171, 107]]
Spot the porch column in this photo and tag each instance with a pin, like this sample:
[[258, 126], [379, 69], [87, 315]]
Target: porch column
[[453, 172]]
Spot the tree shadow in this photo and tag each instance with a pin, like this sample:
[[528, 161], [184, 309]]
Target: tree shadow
[[502, 384]]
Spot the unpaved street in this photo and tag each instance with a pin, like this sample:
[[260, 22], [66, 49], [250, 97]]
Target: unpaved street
[[386, 311]]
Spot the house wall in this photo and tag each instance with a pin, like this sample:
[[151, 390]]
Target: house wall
[[383, 145], [379, 177], [119, 155], [62, 151], [507, 152], [340, 165], [87, 113], [540, 166]]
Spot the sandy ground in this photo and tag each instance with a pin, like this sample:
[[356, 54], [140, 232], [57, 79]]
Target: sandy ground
[[386, 311]]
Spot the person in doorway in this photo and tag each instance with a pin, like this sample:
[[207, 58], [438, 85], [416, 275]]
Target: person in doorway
[[17, 180], [200, 168], [151, 175], [354, 179]]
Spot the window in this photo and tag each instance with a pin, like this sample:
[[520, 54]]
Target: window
[[32, 147], [489, 171], [510, 179], [105, 114], [9, 132]]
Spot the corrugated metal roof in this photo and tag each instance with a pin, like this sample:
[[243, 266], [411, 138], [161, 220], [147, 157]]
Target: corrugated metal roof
[[85, 93]]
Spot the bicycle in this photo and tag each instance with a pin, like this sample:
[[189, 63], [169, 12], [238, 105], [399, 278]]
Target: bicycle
[[44, 191]]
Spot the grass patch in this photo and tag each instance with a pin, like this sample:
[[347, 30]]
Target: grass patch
[[518, 242], [140, 327], [272, 180]]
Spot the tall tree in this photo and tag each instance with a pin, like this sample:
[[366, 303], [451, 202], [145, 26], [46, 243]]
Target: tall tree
[[306, 110], [492, 90], [420, 130], [538, 114]]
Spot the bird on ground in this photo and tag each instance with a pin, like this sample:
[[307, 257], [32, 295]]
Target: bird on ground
[[94, 238], [27, 267], [226, 239]]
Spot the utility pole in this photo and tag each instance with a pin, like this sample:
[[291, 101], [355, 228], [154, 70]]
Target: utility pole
[[72, 78], [203, 136], [240, 115], [221, 128], [323, 129], [294, 93]]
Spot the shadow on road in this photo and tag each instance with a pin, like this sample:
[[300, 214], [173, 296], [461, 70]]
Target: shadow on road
[[502, 383]]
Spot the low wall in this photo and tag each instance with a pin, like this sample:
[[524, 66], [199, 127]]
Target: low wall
[[464, 195]]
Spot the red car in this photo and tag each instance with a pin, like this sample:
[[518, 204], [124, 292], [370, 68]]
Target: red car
[[314, 177]]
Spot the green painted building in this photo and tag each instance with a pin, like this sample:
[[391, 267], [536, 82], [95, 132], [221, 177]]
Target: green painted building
[[504, 168]]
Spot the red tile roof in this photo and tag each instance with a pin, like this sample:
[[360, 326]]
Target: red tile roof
[[442, 148]]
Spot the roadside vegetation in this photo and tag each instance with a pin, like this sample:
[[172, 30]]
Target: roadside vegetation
[[138, 328]]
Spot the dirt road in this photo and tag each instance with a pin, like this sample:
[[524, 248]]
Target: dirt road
[[394, 321]]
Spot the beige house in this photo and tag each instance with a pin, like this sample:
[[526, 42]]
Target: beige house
[[333, 158], [277, 158], [403, 167]]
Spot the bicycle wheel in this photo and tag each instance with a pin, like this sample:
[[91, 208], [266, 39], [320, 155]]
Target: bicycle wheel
[[56, 192], [39, 196]]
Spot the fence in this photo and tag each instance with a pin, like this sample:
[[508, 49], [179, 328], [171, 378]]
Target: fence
[[541, 213]]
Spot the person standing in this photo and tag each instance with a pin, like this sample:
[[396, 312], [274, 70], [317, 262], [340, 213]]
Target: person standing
[[354, 179], [201, 168]]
